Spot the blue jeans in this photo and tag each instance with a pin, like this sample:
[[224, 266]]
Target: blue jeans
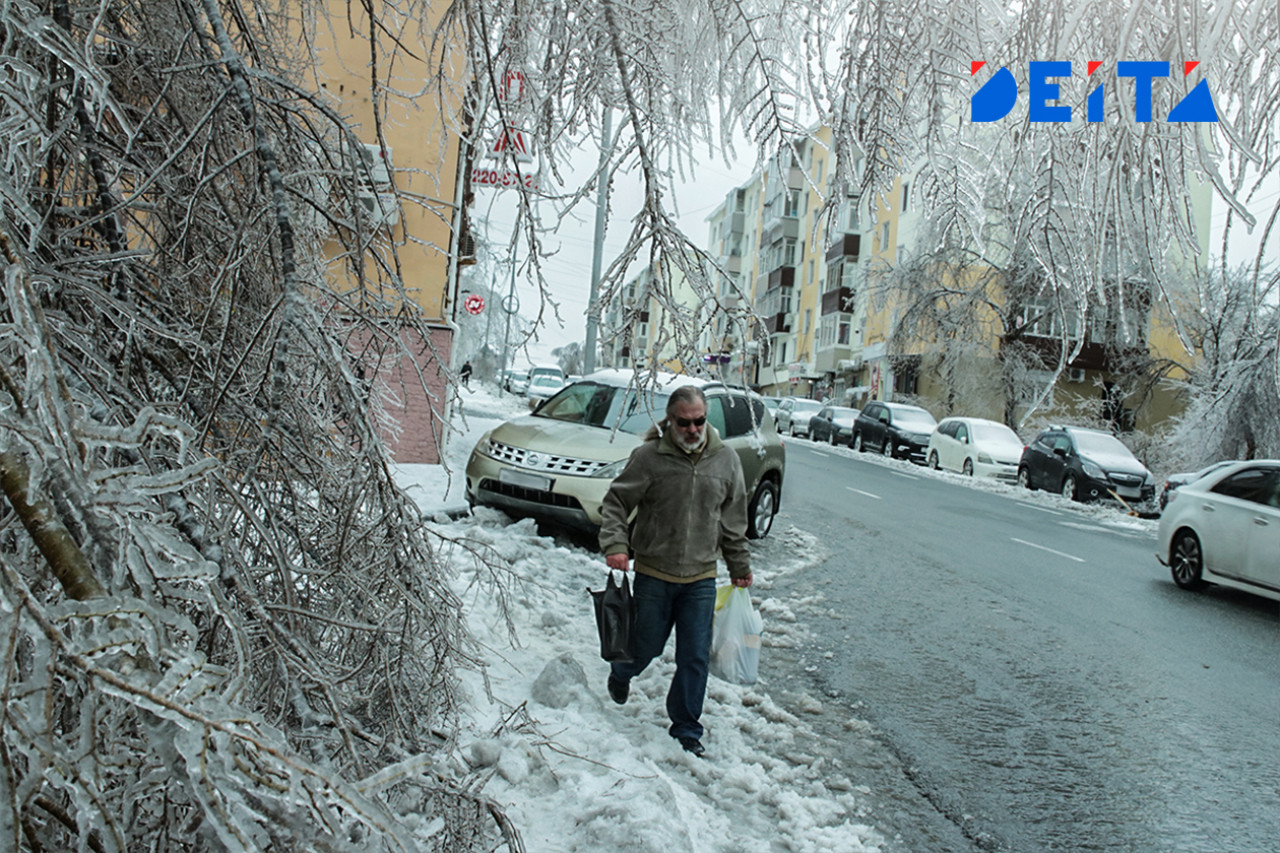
[[689, 608]]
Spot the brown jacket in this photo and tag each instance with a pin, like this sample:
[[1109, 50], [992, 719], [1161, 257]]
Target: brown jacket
[[690, 510]]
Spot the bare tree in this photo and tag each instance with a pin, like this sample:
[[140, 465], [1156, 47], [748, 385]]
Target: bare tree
[[1233, 405], [224, 627]]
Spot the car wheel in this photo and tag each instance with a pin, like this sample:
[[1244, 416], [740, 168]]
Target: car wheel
[[1069, 487], [967, 470], [1024, 478], [764, 506], [933, 459], [857, 441], [1186, 560], [887, 447]]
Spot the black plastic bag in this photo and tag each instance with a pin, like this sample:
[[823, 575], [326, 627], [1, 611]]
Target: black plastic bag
[[614, 617]]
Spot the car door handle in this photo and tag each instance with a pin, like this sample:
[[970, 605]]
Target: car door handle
[[1260, 521], [1208, 508]]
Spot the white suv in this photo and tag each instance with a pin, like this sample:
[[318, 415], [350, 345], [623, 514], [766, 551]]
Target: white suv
[[557, 463]]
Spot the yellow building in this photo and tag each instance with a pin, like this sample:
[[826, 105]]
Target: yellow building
[[409, 200], [820, 290]]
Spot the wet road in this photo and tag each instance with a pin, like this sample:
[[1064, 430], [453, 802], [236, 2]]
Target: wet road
[[1034, 673]]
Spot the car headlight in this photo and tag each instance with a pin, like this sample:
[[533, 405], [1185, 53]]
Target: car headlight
[[611, 470], [984, 458], [1092, 469], [482, 446], [1150, 480]]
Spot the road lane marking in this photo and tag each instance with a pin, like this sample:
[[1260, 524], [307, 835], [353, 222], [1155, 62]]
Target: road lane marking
[[908, 476], [820, 453], [1050, 550], [859, 491]]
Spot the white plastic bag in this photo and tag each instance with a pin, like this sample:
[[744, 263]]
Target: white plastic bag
[[735, 636]]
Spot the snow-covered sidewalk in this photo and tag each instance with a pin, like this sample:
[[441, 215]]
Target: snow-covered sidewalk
[[576, 772]]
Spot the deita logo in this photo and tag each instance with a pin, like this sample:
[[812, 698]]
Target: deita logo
[[997, 97]]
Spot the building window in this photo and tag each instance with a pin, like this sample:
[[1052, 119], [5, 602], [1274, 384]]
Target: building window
[[791, 203], [906, 196], [884, 237], [808, 320]]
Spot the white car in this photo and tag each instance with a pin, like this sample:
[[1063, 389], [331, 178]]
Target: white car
[[1225, 529], [975, 447], [542, 387], [793, 414]]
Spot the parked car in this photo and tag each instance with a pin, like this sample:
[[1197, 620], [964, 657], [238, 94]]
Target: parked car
[[1173, 481], [556, 463], [895, 429], [544, 382], [793, 415], [1224, 528], [975, 447], [833, 424], [771, 403], [1084, 465], [516, 381]]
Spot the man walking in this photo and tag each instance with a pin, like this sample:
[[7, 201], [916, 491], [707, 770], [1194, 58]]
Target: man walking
[[465, 375], [687, 491]]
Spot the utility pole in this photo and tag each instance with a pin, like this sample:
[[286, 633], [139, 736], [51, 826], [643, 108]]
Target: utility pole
[[593, 302]]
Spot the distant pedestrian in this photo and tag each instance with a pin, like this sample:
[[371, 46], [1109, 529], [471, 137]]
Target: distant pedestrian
[[466, 375], [686, 489]]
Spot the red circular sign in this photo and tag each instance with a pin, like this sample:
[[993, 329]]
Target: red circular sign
[[474, 304]]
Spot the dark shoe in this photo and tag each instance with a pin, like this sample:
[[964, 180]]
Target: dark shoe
[[692, 744], [619, 690]]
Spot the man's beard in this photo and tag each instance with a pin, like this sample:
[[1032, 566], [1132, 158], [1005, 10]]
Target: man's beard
[[694, 444]]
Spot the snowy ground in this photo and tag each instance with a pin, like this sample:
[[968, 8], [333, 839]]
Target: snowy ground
[[576, 772]]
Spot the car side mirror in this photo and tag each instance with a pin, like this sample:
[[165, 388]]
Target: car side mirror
[[884, 419], [1060, 451]]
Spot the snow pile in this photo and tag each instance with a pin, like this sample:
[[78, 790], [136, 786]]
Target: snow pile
[[574, 771]]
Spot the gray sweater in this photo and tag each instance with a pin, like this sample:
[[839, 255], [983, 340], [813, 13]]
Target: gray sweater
[[690, 510]]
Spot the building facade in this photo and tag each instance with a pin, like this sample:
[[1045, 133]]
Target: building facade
[[407, 167], [831, 321]]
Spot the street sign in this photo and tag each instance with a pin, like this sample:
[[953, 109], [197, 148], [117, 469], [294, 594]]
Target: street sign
[[503, 178], [474, 304], [512, 143]]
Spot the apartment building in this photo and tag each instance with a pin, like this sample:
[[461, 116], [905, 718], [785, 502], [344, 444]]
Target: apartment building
[[412, 203], [828, 316], [637, 331]]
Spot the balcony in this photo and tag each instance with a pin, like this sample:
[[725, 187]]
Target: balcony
[[782, 277], [778, 227], [778, 323], [837, 301], [1093, 355], [848, 246]]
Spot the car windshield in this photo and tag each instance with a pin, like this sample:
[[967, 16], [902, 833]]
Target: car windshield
[[1100, 443], [808, 406], [605, 406], [915, 419], [844, 417], [995, 434]]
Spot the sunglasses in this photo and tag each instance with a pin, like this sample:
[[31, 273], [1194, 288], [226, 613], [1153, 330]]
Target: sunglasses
[[688, 422]]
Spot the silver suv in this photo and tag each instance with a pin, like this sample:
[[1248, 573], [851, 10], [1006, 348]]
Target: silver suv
[[557, 463]]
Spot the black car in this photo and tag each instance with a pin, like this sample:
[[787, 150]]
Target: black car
[[834, 425], [895, 429], [1084, 465]]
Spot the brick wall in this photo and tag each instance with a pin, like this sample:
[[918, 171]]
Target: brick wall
[[398, 376]]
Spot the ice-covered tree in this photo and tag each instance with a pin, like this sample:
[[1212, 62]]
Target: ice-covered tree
[[1233, 406], [224, 627]]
